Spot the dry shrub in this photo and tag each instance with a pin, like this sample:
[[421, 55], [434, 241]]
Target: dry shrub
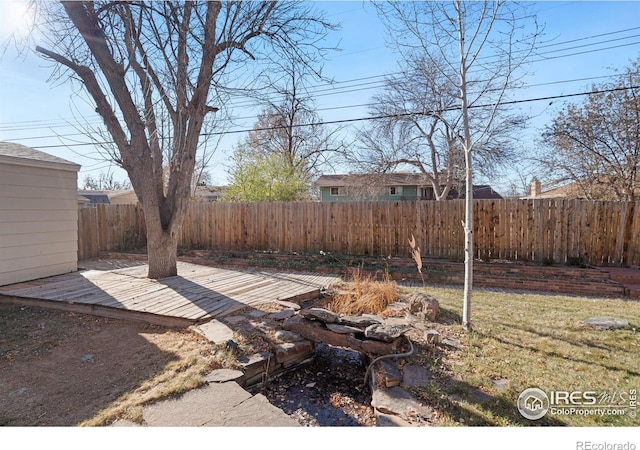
[[364, 295]]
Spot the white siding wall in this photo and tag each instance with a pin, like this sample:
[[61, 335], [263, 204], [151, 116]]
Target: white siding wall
[[38, 222]]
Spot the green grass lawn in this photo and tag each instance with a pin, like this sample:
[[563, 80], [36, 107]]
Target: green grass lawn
[[531, 340]]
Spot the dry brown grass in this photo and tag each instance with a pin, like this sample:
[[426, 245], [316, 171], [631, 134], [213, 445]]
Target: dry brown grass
[[364, 295]]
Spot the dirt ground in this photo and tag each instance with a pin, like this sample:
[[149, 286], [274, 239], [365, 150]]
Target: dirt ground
[[62, 369]]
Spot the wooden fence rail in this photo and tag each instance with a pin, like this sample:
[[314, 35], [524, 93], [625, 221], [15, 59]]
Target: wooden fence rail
[[553, 230]]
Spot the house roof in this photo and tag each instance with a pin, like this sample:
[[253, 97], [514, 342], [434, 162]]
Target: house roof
[[13, 153], [573, 190], [96, 197], [480, 192], [391, 179]]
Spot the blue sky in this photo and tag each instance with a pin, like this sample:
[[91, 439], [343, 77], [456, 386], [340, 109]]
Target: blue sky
[[39, 113]]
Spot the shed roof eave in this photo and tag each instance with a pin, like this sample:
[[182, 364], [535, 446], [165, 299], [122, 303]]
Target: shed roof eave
[[17, 161]]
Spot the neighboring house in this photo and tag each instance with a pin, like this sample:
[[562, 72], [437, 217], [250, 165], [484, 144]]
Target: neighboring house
[[393, 187], [208, 193], [115, 197], [573, 190], [38, 214]]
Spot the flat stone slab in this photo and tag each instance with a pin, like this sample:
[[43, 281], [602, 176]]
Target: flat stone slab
[[216, 331], [390, 372], [606, 323], [205, 406], [321, 314], [361, 322], [282, 315], [397, 401], [388, 420], [217, 405], [235, 319], [343, 329], [415, 376], [223, 375], [287, 304]]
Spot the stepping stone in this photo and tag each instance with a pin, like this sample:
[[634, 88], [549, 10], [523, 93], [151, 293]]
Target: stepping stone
[[216, 331], [415, 376], [397, 401], [606, 323], [235, 319], [223, 375]]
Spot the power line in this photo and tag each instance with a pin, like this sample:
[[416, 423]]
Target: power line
[[348, 86], [368, 118], [333, 108]]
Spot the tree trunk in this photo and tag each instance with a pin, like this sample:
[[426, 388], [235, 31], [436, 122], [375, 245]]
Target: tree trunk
[[468, 246], [162, 236], [162, 253]]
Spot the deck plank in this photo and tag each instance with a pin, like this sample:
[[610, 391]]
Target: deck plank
[[197, 293]]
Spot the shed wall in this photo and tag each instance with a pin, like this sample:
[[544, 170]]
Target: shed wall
[[38, 222]]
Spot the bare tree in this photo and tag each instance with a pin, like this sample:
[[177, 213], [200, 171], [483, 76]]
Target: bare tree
[[479, 49], [596, 144], [289, 125], [410, 129], [155, 71], [104, 181]]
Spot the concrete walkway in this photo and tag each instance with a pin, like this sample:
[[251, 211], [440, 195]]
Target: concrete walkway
[[223, 404]]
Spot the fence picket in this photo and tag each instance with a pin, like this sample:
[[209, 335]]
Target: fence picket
[[602, 232]]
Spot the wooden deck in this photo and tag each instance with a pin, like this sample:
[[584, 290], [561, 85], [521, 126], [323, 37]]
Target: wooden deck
[[197, 294]]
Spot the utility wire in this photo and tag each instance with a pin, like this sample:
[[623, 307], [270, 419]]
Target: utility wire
[[318, 89], [368, 118]]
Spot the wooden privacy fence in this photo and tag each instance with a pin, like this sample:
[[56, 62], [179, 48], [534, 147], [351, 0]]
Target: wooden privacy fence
[[544, 230]]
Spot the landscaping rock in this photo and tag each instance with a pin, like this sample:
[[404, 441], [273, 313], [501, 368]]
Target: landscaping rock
[[424, 306], [323, 315], [343, 329], [397, 401], [216, 331], [389, 372], [606, 323], [235, 319], [282, 315], [432, 337], [223, 375], [287, 336], [317, 332], [256, 364], [386, 332], [415, 376], [361, 322], [292, 353], [287, 304], [452, 343]]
